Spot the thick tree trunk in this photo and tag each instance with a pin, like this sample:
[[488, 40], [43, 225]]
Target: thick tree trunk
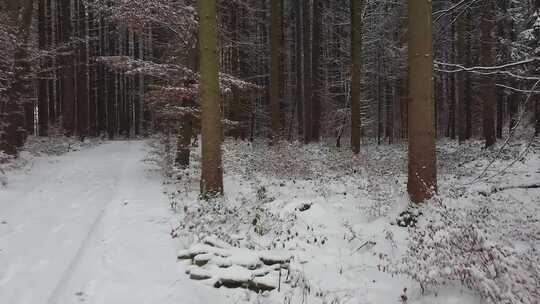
[[14, 106], [356, 70], [487, 58], [68, 69], [212, 175], [275, 68], [422, 177]]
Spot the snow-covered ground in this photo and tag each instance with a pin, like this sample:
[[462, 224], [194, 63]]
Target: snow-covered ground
[[347, 247], [95, 226], [90, 227]]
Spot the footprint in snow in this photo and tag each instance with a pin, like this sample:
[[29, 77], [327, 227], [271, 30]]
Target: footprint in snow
[[81, 296]]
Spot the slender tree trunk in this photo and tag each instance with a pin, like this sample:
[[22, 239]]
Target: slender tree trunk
[[102, 77], [380, 124], [356, 70], [212, 174], [51, 63], [537, 115], [317, 70], [308, 93], [93, 48], [422, 179], [389, 112], [183, 144], [43, 102], [487, 58], [82, 72], [536, 97], [463, 53], [21, 57], [275, 67], [299, 69], [185, 134]]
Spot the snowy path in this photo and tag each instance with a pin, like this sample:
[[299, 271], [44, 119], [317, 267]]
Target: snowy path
[[91, 226]]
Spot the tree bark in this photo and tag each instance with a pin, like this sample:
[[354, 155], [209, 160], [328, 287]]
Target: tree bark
[[275, 67], [356, 70], [464, 89], [308, 93], [68, 69], [14, 107], [299, 92], [43, 102], [212, 175], [422, 176], [487, 58], [317, 69], [82, 72]]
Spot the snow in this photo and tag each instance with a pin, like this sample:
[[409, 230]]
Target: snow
[[95, 226], [346, 246], [90, 226]]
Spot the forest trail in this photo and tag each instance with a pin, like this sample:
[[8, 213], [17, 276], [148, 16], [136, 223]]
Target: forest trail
[[91, 226]]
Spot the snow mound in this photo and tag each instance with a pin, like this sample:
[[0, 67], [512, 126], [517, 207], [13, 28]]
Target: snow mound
[[219, 264]]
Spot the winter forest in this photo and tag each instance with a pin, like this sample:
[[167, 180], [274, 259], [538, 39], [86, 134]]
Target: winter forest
[[269, 151]]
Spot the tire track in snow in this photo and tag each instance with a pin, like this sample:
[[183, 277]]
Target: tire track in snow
[[66, 275]]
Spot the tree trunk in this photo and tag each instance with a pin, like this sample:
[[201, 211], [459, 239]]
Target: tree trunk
[[422, 177], [308, 93], [68, 69], [487, 58], [53, 110], [13, 107], [299, 69], [212, 175], [82, 73], [183, 143], [43, 102], [356, 70], [317, 69], [463, 94], [275, 67]]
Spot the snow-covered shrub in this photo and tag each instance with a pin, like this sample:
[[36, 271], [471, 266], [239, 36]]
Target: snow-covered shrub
[[471, 245], [242, 223], [56, 143], [4, 159], [160, 154], [7, 50]]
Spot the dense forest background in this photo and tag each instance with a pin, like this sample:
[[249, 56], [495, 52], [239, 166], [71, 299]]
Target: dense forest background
[[112, 68], [305, 71], [274, 151]]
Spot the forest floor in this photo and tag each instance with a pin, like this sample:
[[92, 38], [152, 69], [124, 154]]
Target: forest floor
[[90, 226], [95, 225]]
